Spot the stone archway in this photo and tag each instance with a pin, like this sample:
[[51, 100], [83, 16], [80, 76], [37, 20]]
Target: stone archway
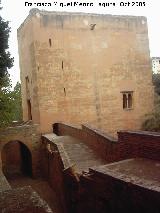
[[16, 159]]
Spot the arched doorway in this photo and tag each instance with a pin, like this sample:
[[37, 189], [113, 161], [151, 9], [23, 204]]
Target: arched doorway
[[16, 159]]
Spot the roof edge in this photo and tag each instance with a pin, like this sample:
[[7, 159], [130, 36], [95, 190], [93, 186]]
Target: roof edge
[[34, 11]]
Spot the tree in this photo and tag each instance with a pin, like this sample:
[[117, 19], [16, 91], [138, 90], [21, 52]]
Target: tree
[[10, 107], [156, 82], [152, 120], [17, 103], [6, 62]]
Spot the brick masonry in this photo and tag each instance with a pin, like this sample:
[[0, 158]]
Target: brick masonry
[[56, 158], [73, 74], [129, 144], [29, 136], [110, 191]]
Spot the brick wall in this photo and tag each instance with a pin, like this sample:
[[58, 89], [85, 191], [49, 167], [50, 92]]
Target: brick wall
[[52, 169], [11, 158], [96, 139], [129, 144], [108, 194], [103, 192], [30, 137], [144, 144]]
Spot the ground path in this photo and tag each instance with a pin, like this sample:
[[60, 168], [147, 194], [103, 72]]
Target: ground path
[[40, 186]]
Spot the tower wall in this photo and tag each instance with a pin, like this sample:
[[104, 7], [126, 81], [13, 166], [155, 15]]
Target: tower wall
[[81, 65]]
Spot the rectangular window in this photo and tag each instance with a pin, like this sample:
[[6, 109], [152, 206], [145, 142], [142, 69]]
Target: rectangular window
[[29, 110], [27, 84], [64, 91], [62, 65], [50, 42], [127, 99]]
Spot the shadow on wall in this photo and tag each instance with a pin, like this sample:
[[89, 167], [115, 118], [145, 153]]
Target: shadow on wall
[[16, 159]]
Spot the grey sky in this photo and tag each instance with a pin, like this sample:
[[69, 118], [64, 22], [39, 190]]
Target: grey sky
[[15, 12]]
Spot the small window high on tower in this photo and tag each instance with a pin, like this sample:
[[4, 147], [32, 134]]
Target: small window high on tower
[[127, 99]]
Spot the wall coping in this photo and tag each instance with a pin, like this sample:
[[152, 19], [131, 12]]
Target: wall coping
[[100, 133], [104, 135], [69, 125], [91, 128], [26, 126], [145, 133]]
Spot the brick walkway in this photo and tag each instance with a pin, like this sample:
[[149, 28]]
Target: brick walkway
[[76, 152]]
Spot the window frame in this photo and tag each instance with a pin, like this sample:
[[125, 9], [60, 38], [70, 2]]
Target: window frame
[[128, 105]]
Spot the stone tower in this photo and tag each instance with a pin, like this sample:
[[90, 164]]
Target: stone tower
[[85, 68]]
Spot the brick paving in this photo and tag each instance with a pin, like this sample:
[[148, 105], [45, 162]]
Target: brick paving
[[76, 152]]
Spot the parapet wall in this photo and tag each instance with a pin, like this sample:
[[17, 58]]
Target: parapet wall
[[145, 144], [109, 193], [129, 144]]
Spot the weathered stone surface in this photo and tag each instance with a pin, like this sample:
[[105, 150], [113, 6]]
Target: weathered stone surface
[[4, 185], [139, 171], [129, 184], [30, 137], [76, 74], [22, 200], [125, 186], [74, 152], [40, 186]]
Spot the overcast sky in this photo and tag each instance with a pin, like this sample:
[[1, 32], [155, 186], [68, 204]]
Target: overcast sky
[[15, 12]]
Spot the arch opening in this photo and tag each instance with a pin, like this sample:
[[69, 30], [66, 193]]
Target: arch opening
[[16, 159]]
